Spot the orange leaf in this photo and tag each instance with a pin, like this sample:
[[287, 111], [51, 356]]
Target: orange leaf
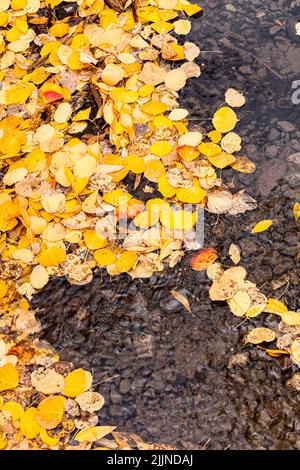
[[203, 259]]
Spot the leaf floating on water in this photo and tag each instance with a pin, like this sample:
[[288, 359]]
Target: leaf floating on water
[[296, 211], [260, 335], [203, 259], [234, 98], [182, 299], [234, 253], [224, 120], [262, 226]]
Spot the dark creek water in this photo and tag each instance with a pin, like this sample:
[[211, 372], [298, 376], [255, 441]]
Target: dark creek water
[[171, 374]]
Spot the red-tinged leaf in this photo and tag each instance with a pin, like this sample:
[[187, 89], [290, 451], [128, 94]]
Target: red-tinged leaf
[[131, 209], [203, 258], [52, 96]]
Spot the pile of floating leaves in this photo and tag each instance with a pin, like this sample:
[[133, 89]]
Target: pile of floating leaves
[[88, 102]]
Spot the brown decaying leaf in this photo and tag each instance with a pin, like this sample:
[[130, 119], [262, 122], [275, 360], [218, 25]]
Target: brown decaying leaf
[[182, 299]]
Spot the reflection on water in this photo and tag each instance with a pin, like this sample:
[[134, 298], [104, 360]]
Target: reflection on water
[[164, 371]]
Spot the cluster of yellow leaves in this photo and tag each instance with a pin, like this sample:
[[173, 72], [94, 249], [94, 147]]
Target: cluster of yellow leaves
[[62, 197], [246, 300], [44, 403]]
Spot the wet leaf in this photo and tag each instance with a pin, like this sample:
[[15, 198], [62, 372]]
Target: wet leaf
[[93, 434], [262, 226], [203, 259], [234, 253], [182, 299], [260, 335]]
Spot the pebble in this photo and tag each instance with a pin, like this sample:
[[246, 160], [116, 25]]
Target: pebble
[[286, 126], [271, 151], [124, 386]]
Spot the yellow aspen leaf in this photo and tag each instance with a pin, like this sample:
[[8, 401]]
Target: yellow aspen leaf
[[93, 240], [29, 426], [3, 441], [49, 441], [39, 277], [14, 408], [77, 382], [192, 139], [117, 197], [290, 318], [50, 411], [188, 153], [93, 434], [231, 142], [274, 352], [175, 79], [191, 9], [224, 120], [221, 160], [104, 257], [161, 148], [154, 108], [63, 113], [14, 176], [126, 261], [296, 211], [37, 224], [85, 167], [64, 177], [209, 149], [262, 226], [82, 115], [178, 114], [112, 74], [9, 377], [275, 306], [146, 219], [3, 289], [215, 136], [146, 90], [178, 220], [163, 27], [135, 164], [295, 351], [59, 30], [165, 188], [79, 185], [154, 170], [193, 195], [52, 256], [243, 164], [182, 26]]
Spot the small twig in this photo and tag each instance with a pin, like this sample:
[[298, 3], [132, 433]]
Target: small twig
[[107, 380], [206, 444], [285, 290]]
